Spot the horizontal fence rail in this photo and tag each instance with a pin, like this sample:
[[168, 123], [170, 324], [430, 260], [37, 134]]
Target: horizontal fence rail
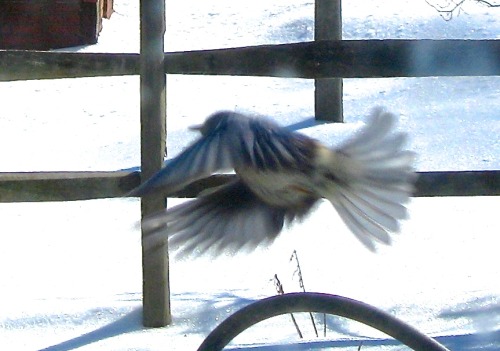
[[347, 59], [25, 65], [65, 186], [313, 60], [70, 186]]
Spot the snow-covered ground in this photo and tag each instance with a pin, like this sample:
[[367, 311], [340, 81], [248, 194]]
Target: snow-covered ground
[[71, 272]]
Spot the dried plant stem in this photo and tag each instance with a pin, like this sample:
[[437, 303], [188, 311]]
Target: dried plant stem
[[281, 291], [301, 283]]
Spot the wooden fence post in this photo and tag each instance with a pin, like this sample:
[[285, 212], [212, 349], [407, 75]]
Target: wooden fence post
[[156, 293], [328, 92]]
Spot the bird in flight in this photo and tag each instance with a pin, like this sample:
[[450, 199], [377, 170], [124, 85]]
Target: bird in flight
[[280, 175]]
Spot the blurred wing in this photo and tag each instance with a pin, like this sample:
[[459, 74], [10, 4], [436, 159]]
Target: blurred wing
[[228, 219], [208, 155], [237, 141]]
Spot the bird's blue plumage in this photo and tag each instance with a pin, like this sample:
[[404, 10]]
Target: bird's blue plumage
[[280, 176]]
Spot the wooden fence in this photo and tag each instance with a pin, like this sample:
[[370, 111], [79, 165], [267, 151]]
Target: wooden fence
[[313, 60], [326, 61]]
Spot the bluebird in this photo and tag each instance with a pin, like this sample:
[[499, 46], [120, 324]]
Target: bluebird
[[280, 175]]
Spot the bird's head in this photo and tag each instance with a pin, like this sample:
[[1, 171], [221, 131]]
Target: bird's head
[[213, 122]]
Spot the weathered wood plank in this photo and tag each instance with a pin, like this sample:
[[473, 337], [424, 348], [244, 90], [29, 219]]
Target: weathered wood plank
[[347, 59], [328, 92], [65, 186], [155, 269], [321, 59], [458, 183], [25, 65], [69, 186]]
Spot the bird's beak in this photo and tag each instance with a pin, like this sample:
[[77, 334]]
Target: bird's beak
[[195, 128]]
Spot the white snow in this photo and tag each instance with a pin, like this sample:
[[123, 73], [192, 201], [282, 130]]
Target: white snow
[[71, 272]]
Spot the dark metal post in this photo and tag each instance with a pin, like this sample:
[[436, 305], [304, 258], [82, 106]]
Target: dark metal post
[[156, 294], [328, 92]]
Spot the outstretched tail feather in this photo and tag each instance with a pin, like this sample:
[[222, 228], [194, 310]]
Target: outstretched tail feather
[[381, 123], [385, 149], [374, 180], [370, 209], [392, 203]]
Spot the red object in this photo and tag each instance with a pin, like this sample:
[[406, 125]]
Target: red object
[[51, 24]]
